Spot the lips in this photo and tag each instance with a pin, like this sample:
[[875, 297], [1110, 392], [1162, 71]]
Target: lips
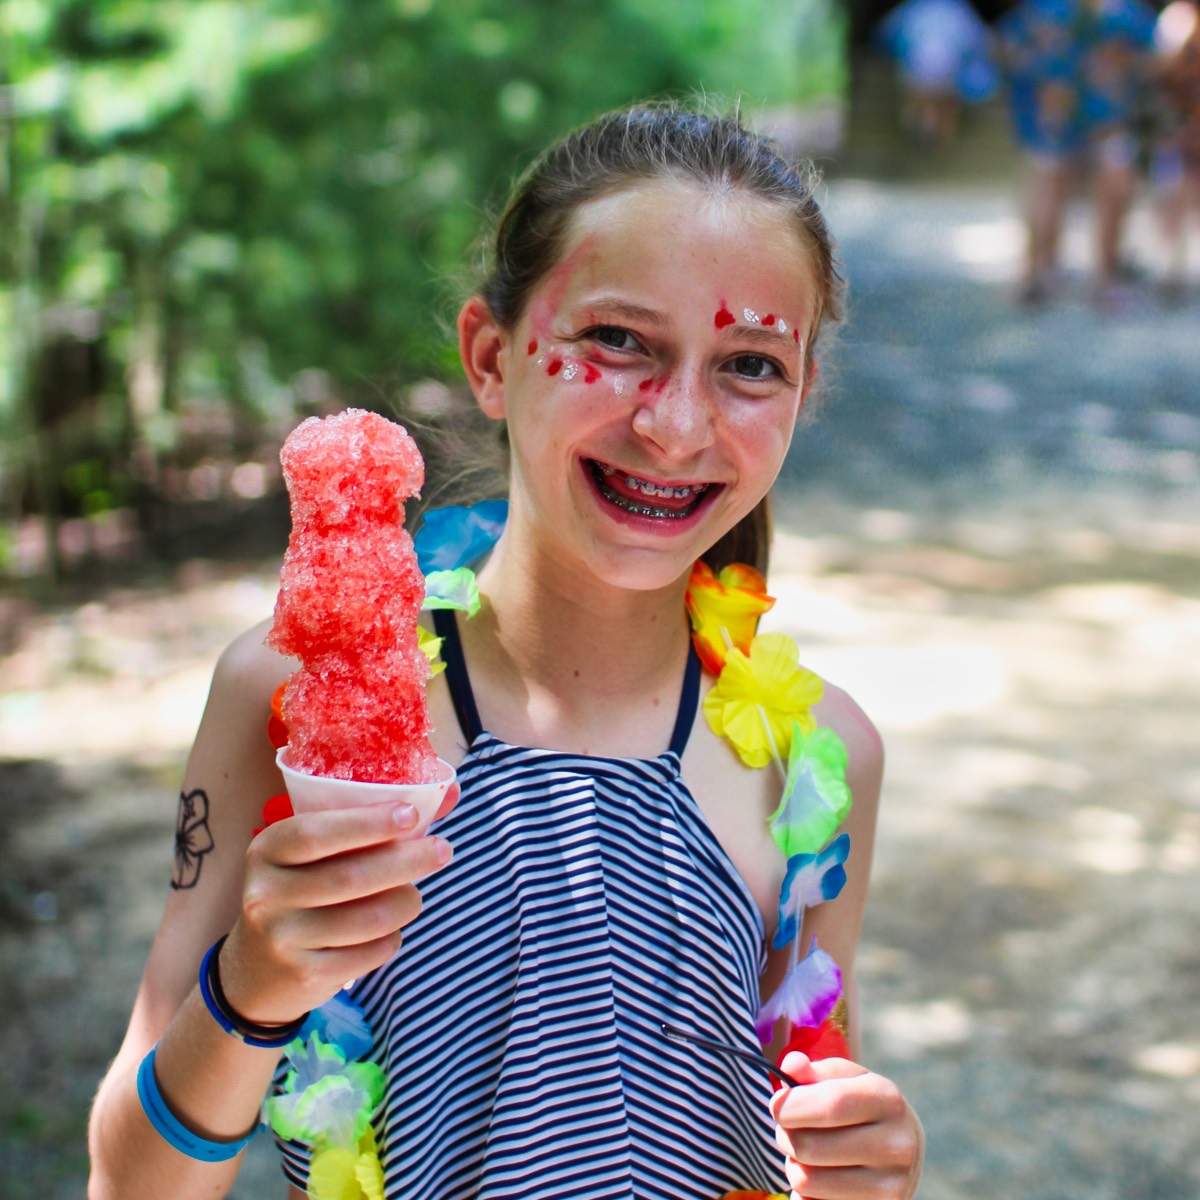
[[648, 497]]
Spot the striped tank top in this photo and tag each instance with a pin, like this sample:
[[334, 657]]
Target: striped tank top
[[587, 903]]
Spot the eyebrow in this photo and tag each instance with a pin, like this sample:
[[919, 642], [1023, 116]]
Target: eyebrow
[[629, 310], [759, 334]]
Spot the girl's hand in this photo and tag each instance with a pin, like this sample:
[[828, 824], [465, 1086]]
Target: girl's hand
[[847, 1133], [326, 898]]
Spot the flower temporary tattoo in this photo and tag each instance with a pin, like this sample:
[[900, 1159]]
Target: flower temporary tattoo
[[193, 839]]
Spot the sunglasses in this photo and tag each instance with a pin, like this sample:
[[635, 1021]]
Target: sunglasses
[[677, 1035]]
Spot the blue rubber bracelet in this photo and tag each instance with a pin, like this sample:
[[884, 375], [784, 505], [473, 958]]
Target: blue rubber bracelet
[[266, 1036], [172, 1130]]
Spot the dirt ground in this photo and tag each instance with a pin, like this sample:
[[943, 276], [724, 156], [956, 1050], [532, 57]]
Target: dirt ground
[[991, 540]]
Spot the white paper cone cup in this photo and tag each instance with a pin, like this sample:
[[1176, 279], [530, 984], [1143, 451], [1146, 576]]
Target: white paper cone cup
[[313, 793]]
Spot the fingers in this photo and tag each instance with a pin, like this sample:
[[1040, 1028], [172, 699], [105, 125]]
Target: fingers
[[325, 898], [827, 1100], [347, 876], [847, 1133], [360, 922], [309, 837]]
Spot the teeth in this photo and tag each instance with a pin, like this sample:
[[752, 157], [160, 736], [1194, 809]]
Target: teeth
[[641, 509], [663, 492]]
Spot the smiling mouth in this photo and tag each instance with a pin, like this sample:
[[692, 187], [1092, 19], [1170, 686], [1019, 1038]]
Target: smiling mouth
[[644, 497]]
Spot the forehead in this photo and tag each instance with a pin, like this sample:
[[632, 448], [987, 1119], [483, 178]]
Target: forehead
[[669, 232]]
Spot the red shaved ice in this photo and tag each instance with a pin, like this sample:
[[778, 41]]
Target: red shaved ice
[[349, 597]]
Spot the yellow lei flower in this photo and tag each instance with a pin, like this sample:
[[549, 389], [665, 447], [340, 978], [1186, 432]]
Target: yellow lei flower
[[759, 695], [724, 610], [340, 1173]]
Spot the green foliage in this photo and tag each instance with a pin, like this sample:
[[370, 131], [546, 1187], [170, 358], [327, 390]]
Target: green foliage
[[229, 193]]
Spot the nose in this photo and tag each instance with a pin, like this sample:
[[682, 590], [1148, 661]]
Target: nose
[[677, 416]]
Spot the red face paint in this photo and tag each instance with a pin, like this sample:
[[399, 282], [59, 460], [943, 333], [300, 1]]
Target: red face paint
[[796, 336], [590, 373], [645, 385], [723, 317], [769, 319], [554, 366], [532, 346]]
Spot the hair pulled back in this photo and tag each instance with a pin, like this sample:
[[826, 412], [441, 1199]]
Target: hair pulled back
[[639, 145]]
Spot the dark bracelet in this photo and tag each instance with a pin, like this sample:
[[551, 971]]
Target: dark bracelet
[[270, 1037]]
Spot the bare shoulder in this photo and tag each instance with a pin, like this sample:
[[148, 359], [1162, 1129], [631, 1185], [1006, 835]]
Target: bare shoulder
[[249, 668], [232, 753], [840, 712]]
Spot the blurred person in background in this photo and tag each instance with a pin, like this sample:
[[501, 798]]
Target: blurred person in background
[[1176, 160], [1076, 70], [1039, 51], [1117, 38], [942, 54]]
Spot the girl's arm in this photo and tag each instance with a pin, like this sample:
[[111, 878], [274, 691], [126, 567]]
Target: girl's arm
[[312, 901], [848, 1131]]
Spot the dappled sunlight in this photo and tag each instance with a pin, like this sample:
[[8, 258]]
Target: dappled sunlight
[[910, 688], [909, 1031], [1107, 840], [990, 249]]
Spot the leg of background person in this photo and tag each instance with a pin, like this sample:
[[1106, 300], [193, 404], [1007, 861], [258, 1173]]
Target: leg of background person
[[1048, 190], [1171, 202], [1116, 181]]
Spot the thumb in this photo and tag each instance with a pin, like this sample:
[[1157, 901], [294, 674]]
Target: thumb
[[800, 1068]]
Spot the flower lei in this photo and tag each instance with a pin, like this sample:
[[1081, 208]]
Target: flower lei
[[761, 702]]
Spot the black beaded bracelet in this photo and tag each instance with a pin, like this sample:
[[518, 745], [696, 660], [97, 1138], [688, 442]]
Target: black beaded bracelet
[[269, 1037]]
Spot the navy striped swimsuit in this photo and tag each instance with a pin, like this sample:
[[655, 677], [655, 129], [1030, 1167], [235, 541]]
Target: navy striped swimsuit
[[587, 902]]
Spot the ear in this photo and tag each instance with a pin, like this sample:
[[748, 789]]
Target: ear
[[483, 348], [809, 379]]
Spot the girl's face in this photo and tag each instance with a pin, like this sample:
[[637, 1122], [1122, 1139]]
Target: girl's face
[[652, 386]]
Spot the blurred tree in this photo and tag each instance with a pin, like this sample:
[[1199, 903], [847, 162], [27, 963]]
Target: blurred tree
[[262, 206]]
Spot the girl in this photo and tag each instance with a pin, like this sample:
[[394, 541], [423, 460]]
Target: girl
[[645, 337]]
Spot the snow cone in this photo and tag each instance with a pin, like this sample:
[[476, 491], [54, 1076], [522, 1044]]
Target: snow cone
[[350, 593]]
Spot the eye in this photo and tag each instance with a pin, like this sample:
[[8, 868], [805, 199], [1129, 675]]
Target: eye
[[755, 366], [613, 337]]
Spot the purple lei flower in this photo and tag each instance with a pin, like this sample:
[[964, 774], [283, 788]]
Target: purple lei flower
[[808, 994]]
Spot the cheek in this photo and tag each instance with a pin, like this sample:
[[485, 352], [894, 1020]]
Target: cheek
[[763, 432]]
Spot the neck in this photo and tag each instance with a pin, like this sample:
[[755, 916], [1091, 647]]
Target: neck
[[556, 629]]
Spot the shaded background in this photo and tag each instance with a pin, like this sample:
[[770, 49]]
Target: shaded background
[[219, 218]]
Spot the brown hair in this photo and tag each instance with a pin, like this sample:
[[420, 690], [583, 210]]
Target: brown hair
[[642, 144]]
